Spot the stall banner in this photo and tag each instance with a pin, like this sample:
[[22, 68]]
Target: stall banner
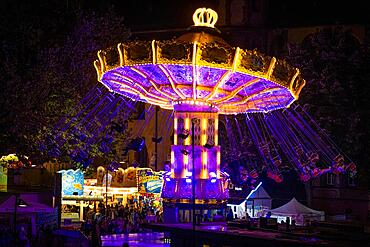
[[129, 177], [72, 182], [117, 177], [100, 172], [149, 181]]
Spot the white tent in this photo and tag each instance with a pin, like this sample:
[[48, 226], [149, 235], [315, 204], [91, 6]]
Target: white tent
[[298, 212], [256, 202]]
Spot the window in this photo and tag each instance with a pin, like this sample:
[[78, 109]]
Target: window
[[330, 179]]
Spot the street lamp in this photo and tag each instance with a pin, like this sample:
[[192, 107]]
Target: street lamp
[[19, 202]]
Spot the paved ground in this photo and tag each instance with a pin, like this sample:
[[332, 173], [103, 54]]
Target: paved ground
[[220, 234], [154, 239]]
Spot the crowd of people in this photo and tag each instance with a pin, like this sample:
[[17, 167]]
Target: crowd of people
[[20, 237], [121, 218]]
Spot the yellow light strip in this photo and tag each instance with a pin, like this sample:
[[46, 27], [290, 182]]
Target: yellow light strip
[[161, 91], [204, 131], [148, 93], [187, 127], [123, 77], [218, 162], [203, 88], [175, 131], [121, 61], [293, 79], [169, 77], [271, 67], [130, 90], [152, 83], [204, 172], [139, 72], [296, 94], [145, 91], [186, 163], [101, 60], [167, 107], [216, 131], [154, 52], [98, 71], [269, 98], [220, 82], [236, 58], [162, 104], [195, 74], [237, 90], [172, 164]]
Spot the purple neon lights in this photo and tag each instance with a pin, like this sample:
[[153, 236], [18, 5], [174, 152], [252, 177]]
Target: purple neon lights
[[182, 189], [236, 92], [181, 74], [208, 76]]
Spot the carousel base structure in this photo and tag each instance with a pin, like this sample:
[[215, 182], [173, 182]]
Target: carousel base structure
[[181, 211]]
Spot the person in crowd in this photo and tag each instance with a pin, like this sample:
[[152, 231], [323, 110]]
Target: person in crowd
[[22, 236], [218, 217], [230, 215], [268, 215]]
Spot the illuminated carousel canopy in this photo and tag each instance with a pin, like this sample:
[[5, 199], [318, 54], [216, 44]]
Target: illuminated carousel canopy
[[199, 71]]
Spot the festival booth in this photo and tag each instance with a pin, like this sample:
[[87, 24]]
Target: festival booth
[[78, 193], [73, 199], [150, 184], [118, 187], [298, 212]]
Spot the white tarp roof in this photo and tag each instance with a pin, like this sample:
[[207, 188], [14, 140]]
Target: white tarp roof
[[294, 207], [260, 193]]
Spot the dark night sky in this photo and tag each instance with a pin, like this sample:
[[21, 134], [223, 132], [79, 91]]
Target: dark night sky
[[145, 14], [282, 13], [291, 13]]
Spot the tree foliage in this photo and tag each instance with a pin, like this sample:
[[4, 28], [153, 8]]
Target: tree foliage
[[46, 67], [336, 67]]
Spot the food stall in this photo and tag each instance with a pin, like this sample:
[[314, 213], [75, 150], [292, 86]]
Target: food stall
[[112, 188]]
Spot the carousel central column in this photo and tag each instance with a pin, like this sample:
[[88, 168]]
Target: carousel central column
[[210, 185], [205, 143]]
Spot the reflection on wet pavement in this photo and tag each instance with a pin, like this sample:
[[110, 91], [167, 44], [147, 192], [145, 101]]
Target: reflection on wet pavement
[[155, 239]]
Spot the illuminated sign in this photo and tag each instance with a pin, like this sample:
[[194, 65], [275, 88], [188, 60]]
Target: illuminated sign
[[72, 182], [149, 181]]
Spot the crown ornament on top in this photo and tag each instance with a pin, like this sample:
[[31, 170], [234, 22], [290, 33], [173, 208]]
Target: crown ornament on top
[[205, 17]]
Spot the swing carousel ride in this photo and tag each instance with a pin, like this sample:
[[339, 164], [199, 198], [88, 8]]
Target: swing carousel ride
[[199, 76]]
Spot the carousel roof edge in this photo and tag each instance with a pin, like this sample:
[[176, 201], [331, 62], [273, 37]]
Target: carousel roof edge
[[212, 54]]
